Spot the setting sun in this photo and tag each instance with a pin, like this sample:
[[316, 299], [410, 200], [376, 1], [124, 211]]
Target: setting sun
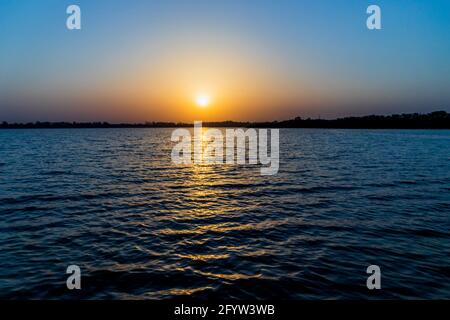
[[202, 100]]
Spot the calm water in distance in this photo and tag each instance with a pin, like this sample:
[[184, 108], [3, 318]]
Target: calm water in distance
[[110, 201]]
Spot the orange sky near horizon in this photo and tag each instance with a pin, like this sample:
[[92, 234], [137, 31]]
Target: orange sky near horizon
[[239, 82]]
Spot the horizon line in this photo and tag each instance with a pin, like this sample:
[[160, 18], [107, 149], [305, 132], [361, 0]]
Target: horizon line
[[436, 119]]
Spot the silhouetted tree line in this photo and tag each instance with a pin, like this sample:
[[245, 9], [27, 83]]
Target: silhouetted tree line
[[434, 120]]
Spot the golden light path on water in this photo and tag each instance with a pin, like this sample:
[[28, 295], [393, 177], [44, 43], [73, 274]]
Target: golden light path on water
[[203, 184]]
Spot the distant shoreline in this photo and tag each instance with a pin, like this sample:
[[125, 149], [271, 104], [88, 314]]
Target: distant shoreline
[[433, 120]]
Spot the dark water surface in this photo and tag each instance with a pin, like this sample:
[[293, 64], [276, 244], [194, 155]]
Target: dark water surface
[[110, 201]]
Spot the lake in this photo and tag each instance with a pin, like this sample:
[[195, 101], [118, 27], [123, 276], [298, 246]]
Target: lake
[[140, 227]]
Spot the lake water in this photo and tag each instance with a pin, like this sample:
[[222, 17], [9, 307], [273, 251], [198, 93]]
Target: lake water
[[139, 227]]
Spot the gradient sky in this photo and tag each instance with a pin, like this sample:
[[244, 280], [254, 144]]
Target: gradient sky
[[137, 61]]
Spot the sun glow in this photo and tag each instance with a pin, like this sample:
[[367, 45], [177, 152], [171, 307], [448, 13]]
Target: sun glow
[[202, 100]]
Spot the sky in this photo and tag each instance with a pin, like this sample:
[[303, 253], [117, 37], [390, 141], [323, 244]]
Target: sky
[[256, 60]]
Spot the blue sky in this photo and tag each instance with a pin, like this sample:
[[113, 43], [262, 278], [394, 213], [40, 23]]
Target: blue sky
[[262, 59]]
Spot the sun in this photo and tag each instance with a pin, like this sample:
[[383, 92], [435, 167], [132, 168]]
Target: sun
[[202, 100]]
